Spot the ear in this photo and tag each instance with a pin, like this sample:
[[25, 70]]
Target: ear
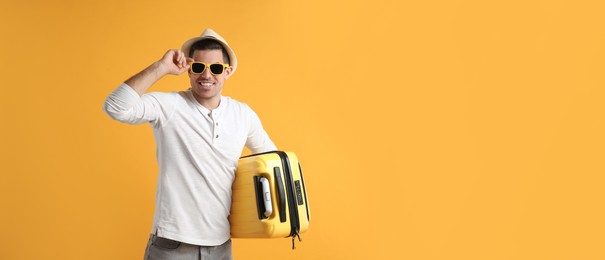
[[189, 60], [228, 72]]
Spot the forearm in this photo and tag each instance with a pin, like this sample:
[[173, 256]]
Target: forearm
[[143, 80]]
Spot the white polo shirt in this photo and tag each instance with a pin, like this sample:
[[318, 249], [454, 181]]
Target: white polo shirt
[[197, 153]]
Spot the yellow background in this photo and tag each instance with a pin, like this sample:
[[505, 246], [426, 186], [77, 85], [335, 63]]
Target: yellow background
[[426, 129]]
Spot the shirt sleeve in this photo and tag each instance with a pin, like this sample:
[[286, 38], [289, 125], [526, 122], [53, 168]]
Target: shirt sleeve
[[126, 106], [258, 140]]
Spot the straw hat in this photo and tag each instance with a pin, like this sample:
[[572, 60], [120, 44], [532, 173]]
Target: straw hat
[[211, 34]]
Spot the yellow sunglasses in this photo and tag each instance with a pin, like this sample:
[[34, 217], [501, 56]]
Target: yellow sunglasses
[[215, 68]]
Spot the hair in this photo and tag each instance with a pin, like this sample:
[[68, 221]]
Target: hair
[[209, 44]]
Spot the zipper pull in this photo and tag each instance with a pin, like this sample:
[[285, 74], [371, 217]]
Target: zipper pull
[[299, 240]]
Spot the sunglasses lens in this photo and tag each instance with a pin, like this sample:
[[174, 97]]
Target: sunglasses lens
[[197, 67], [216, 69]]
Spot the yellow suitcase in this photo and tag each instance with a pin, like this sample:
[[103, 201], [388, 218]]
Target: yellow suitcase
[[269, 197]]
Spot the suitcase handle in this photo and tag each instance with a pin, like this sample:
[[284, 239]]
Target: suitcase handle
[[281, 194], [266, 190]]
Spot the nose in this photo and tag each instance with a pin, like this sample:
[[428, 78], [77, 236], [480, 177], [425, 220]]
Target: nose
[[206, 74]]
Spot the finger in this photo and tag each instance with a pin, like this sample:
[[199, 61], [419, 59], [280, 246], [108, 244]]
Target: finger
[[183, 69], [185, 62], [175, 54], [183, 59], [177, 58]]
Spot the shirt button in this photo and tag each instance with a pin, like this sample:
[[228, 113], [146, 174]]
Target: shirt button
[[216, 123], [216, 136]]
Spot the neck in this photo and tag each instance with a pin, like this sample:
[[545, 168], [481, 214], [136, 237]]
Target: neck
[[209, 103]]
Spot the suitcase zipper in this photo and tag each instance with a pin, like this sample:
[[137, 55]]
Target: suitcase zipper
[[294, 221]]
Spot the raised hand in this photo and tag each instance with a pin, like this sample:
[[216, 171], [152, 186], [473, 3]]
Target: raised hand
[[174, 62]]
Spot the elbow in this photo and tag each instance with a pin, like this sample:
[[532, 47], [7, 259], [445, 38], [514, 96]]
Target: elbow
[[114, 113]]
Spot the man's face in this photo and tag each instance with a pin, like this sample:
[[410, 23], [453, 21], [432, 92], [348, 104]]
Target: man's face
[[206, 86]]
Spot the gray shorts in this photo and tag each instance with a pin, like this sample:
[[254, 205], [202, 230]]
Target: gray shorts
[[159, 248]]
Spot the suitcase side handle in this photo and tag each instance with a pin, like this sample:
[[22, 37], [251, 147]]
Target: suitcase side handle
[[264, 205], [258, 191], [266, 190]]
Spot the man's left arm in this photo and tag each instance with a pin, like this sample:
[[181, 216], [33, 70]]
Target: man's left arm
[[258, 140]]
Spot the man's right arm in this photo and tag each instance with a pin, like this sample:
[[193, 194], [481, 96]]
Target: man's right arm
[[127, 103], [173, 62]]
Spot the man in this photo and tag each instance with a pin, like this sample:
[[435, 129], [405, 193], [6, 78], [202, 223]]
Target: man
[[199, 135]]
